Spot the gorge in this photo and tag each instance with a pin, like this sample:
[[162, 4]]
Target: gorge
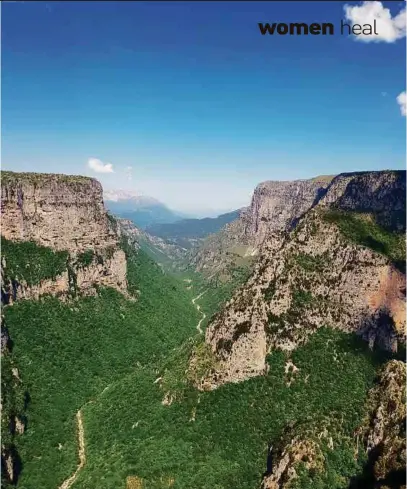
[[301, 302]]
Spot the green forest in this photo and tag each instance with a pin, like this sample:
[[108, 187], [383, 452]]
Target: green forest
[[118, 359]]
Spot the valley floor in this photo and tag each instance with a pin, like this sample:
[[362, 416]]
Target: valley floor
[[69, 353]]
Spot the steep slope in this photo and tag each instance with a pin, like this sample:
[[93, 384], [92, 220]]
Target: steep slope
[[275, 206], [61, 222], [384, 431], [224, 249], [303, 456], [99, 389], [381, 193], [157, 429], [109, 338], [336, 267]]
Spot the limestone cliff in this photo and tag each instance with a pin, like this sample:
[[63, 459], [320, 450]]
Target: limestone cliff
[[300, 445], [381, 193], [333, 268], [60, 211], [275, 206], [64, 214]]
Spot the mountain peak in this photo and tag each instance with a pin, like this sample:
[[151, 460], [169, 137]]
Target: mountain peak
[[132, 195]]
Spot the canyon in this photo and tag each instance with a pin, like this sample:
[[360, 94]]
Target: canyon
[[103, 321]]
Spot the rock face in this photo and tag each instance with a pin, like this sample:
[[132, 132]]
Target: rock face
[[381, 193], [62, 213], [312, 276], [59, 211], [226, 248], [293, 450], [106, 270], [275, 206], [384, 430]]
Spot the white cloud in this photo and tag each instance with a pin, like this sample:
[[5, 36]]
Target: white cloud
[[388, 28], [402, 101], [99, 167]]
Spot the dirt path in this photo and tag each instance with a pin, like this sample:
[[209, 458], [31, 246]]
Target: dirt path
[[79, 419], [198, 308], [81, 449], [81, 443]]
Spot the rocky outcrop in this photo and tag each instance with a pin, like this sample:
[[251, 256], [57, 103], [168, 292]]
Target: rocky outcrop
[[312, 276], [299, 449], [305, 446], [104, 269], [384, 430], [60, 212]]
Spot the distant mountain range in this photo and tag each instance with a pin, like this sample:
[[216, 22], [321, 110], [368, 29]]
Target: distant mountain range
[[159, 220], [141, 209], [186, 232]]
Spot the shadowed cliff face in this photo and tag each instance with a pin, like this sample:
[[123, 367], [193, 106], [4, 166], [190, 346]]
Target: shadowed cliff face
[[384, 431], [317, 275], [381, 193]]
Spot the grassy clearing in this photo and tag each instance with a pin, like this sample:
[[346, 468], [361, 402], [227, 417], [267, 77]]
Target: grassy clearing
[[311, 263]]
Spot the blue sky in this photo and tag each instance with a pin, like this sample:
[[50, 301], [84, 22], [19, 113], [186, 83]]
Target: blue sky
[[194, 99]]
